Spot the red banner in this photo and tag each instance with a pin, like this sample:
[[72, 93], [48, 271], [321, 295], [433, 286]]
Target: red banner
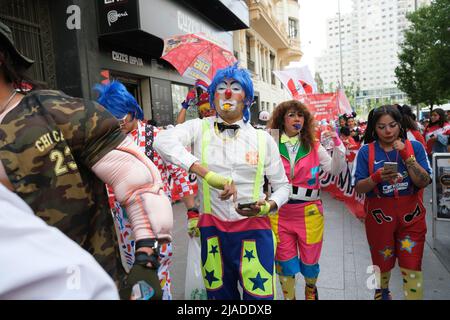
[[326, 106], [322, 105], [340, 187]]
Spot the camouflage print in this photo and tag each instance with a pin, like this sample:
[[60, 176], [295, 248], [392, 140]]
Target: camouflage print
[[48, 143]]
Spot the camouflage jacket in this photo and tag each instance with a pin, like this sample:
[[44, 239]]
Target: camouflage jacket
[[48, 144]]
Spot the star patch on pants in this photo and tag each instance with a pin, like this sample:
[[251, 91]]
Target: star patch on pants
[[407, 244], [387, 252]]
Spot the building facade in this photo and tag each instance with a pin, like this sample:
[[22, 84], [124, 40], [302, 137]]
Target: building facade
[[370, 37], [77, 43], [328, 65], [271, 43]]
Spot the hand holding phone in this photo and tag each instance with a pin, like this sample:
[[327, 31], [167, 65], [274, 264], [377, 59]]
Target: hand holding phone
[[246, 205], [390, 167]]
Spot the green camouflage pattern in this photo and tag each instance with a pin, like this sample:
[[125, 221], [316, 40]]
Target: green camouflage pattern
[[48, 143]]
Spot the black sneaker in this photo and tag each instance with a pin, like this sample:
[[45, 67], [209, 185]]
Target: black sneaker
[[382, 294]]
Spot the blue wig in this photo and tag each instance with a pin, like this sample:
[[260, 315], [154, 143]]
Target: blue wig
[[117, 100], [240, 75]]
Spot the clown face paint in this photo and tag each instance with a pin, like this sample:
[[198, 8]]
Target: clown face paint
[[229, 95], [293, 122]]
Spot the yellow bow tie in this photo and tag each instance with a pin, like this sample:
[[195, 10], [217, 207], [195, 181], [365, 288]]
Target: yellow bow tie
[[292, 140]]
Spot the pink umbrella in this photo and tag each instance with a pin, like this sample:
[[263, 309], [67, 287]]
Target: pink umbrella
[[195, 56]]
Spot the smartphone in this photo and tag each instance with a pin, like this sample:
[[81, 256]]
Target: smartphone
[[390, 166], [246, 205]]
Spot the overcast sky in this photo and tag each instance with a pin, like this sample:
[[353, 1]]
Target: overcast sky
[[313, 16]]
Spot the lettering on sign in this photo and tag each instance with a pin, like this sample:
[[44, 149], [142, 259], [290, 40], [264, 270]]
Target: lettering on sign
[[125, 58], [189, 25], [115, 1], [113, 16]]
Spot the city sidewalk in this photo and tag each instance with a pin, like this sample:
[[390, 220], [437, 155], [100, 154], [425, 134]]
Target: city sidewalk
[[344, 261]]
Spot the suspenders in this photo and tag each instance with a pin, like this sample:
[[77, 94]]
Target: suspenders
[[259, 178]]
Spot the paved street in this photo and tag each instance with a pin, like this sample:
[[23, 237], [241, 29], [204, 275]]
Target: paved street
[[345, 258]]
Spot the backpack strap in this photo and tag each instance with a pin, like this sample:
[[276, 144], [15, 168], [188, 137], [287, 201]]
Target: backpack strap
[[149, 137], [371, 157], [372, 164]]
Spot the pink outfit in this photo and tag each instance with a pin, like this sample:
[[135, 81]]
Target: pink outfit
[[296, 232], [300, 223], [306, 170]]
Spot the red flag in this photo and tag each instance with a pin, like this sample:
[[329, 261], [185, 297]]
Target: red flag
[[297, 80]]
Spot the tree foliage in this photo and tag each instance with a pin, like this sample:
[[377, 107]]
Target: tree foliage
[[423, 72], [319, 82], [351, 91]]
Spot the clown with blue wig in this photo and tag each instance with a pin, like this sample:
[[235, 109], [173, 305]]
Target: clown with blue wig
[[231, 158], [117, 100]]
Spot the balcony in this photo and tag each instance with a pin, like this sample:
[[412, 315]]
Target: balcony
[[291, 53], [263, 20], [251, 65]]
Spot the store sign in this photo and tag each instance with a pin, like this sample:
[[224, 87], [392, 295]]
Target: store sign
[[187, 24], [117, 15], [125, 58], [172, 18], [441, 186]]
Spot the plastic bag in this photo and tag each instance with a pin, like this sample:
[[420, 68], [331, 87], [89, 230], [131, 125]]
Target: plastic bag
[[194, 287]]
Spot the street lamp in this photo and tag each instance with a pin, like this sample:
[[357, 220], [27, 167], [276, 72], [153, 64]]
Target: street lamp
[[417, 107], [340, 44]]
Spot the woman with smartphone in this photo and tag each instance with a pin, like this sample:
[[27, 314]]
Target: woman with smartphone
[[299, 223], [391, 171]]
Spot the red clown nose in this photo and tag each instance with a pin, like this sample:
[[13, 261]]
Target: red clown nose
[[228, 93]]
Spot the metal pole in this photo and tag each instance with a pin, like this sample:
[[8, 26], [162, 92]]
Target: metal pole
[[340, 43], [417, 106], [434, 204]]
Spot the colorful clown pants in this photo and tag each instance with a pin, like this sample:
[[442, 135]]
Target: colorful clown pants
[[126, 243], [396, 228], [235, 252], [299, 228]]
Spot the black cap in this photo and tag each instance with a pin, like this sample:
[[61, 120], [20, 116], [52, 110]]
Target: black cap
[[7, 41]]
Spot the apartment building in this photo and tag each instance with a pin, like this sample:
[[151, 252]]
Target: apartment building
[[271, 43], [370, 37]]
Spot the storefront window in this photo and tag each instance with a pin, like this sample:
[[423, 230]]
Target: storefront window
[[30, 24], [179, 93]]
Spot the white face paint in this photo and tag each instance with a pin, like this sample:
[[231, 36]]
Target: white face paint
[[230, 94]]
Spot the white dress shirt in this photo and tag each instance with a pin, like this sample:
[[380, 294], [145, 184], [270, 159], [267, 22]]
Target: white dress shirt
[[230, 155], [39, 262]]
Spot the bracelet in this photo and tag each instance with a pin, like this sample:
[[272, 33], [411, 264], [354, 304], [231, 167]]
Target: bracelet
[[265, 210], [410, 160]]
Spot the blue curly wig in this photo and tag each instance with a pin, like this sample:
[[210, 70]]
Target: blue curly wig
[[240, 75], [117, 100]]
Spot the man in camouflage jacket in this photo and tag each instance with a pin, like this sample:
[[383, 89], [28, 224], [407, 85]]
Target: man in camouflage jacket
[[57, 152]]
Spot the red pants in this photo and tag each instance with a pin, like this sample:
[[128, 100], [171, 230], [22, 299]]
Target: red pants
[[396, 228]]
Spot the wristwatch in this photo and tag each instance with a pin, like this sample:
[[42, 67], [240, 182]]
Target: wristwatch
[[149, 243], [142, 258]]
